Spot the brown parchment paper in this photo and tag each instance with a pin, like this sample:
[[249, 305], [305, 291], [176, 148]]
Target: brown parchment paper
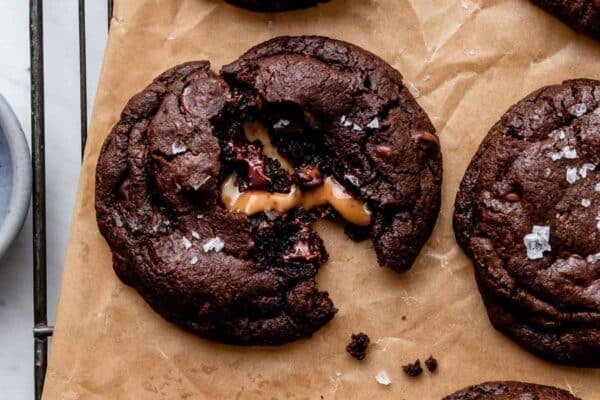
[[469, 61]]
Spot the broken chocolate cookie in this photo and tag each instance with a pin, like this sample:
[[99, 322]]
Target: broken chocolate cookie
[[216, 235], [528, 214]]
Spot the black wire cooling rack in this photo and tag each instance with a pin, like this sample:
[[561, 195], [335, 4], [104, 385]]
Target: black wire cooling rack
[[41, 330]]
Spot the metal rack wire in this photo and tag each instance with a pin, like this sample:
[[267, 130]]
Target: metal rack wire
[[41, 330]]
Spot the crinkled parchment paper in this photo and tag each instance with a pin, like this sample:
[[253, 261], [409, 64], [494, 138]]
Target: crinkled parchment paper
[[467, 61]]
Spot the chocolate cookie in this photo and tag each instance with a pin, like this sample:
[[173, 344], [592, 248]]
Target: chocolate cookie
[[175, 170], [511, 391], [528, 214], [583, 15], [274, 5]]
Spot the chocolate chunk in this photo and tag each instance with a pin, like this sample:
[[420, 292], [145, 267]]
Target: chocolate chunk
[[358, 345], [308, 176]]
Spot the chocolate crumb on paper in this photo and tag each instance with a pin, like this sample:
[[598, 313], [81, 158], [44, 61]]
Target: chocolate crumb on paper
[[413, 370], [431, 364], [358, 346]]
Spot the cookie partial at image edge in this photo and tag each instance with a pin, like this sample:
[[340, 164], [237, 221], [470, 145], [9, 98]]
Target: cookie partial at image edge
[[543, 325], [275, 5], [511, 390], [582, 15]]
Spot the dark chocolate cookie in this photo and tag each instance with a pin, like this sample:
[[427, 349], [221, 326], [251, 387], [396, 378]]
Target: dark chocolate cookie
[[583, 15], [274, 5], [528, 214], [335, 111], [511, 391]]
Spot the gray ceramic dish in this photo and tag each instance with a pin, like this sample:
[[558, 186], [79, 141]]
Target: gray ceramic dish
[[15, 176]]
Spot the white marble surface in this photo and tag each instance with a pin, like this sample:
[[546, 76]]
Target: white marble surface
[[62, 164]]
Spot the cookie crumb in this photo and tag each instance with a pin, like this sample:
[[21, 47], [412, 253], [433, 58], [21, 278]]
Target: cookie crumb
[[383, 378], [358, 345], [431, 364], [413, 370]]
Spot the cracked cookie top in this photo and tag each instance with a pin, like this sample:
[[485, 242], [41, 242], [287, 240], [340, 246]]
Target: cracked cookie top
[[359, 149], [528, 213]]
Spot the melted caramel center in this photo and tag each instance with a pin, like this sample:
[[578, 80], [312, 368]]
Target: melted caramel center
[[331, 192]]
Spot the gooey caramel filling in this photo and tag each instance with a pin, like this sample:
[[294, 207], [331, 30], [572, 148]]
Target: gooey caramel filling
[[331, 192]]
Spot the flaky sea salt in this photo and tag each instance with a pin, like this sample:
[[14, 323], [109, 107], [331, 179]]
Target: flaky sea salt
[[374, 124], [586, 202], [598, 221], [118, 221], [356, 127], [592, 258], [282, 123], [558, 134], [537, 242], [585, 168], [578, 110], [352, 179], [413, 90], [566, 152], [547, 172], [383, 378], [214, 244], [194, 260], [186, 243], [569, 153], [345, 121], [572, 175], [178, 148], [597, 187], [195, 235]]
